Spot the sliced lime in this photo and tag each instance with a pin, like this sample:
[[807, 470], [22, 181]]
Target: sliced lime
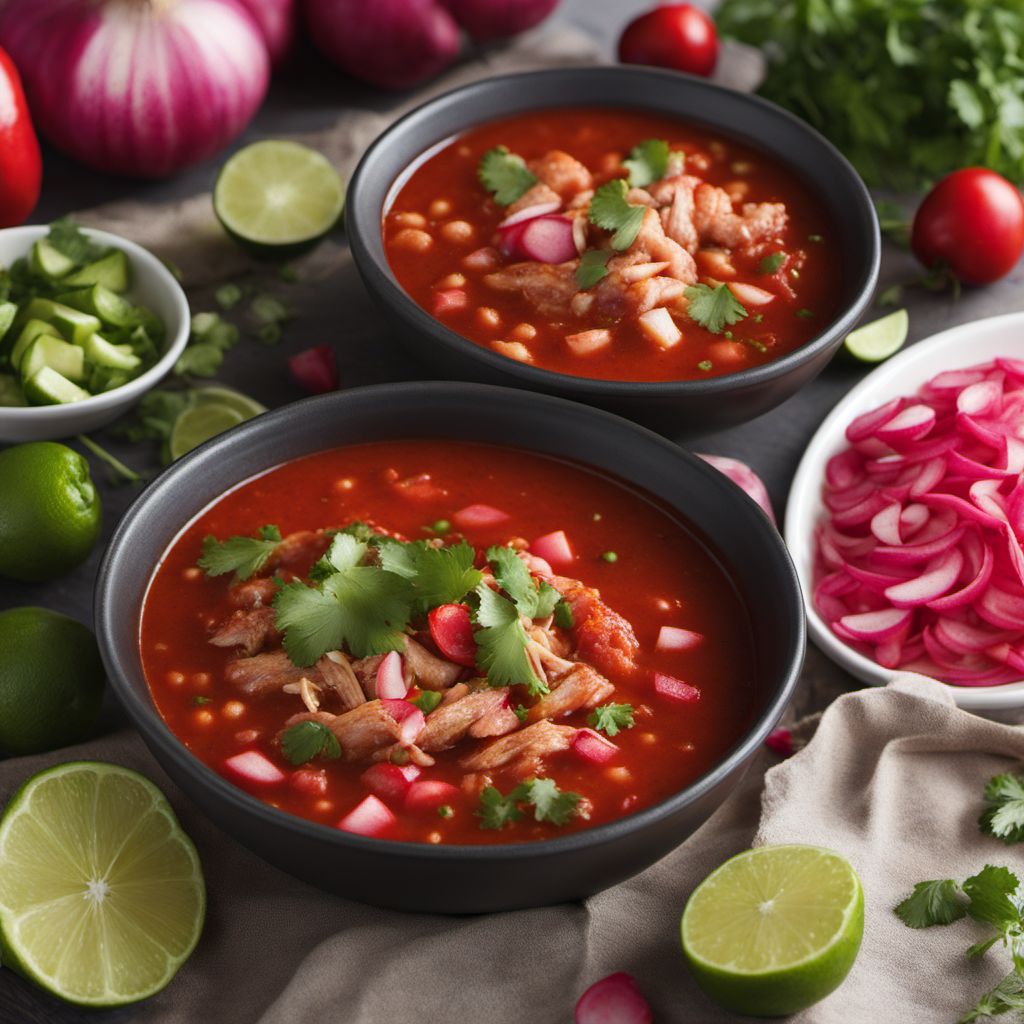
[[101, 892], [775, 929], [215, 394], [198, 423], [879, 339], [278, 198]]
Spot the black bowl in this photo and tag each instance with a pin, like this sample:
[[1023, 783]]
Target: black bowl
[[682, 407], [463, 879]]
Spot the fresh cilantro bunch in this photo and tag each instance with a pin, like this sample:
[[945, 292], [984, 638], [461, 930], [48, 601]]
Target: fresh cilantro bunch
[[908, 89], [543, 796]]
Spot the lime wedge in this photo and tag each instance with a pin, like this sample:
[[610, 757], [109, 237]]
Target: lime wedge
[[879, 339], [278, 198], [248, 407], [198, 423], [101, 893], [775, 929]]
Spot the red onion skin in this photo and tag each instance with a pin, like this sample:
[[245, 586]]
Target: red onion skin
[[98, 78], [495, 19], [276, 21], [394, 44]]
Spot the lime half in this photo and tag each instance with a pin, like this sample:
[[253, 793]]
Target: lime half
[[775, 929], [198, 423], [278, 198], [101, 893], [216, 395], [879, 339]]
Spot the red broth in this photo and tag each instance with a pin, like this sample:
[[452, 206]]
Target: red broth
[[662, 575], [434, 260]]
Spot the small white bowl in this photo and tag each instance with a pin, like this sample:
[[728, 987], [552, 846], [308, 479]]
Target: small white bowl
[[977, 342], [154, 286]]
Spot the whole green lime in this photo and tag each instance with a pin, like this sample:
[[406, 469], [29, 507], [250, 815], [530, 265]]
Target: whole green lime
[[50, 513], [51, 681]]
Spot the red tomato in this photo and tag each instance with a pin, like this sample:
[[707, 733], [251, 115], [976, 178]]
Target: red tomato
[[972, 222], [677, 36], [21, 167]]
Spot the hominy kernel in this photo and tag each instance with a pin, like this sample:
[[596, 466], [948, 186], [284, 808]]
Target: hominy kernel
[[410, 220], [161, 647], [233, 709], [457, 231], [513, 350], [439, 208], [201, 680], [193, 572], [663, 605], [434, 837], [488, 317], [247, 735], [176, 678], [464, 151], [523, 332], [203, 717], [413, 240], [323, 806], [617, 774], [649, 738], [345, 484], [451, 281], [687, 748]]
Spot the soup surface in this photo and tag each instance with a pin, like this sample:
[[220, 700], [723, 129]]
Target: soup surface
[[615, 244], [473, 641]]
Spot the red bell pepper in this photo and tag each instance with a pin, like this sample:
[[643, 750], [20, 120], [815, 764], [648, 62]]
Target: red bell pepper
[[21, 166]]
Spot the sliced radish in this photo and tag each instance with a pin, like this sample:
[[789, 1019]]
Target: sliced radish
[[750, 294], [390, 781], [675, 689], [613, 1000], [479, 517], [554, 548], [391, 677], [673, 638], [876, 626], [885, 525], [594, 747], [254, 769], [744, 478], [451, 629], [979, 399], [864, 426], [932, 584], [449, 300], [529, 212], [658, 325], [408, 716], [547, 239], [369, 817], [910, 424], [429, 794]]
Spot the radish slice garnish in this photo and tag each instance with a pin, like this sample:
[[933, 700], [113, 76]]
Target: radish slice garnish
[[408, 716], [390, 781], [451, 629], [929, 585], [876, 626], [744, 478], [554, 548], [369, 817], [613, 1000], [429, 794], [673, 638], [594, 747], [479, 517], [528, 213], [675, 689], [750, 294], [391, 677], [547, 239], [254, 769]]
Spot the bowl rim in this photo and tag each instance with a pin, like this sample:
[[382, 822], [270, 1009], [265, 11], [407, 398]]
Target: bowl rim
[[361, 223], [916, 361], [175, 344], [144, 715]]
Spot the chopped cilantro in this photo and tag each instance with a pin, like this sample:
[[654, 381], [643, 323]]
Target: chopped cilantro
[[521, 712], [305, 740], [713, 308], [647, 163], [1004, 816], [69, 239], [891, 296], [228, 295], [771, 263], [505, 175], [199, 360], [496, 811], [501, 643], [244, 556], [548, 801], [758, 318], [445, 811], [610, 556], [427, 701], [805, 314], [593, 268], [612, 718], [535, 601], [200, 700], [269, 334], [268, 309], [564, 618], [705, 364], [609, 210]]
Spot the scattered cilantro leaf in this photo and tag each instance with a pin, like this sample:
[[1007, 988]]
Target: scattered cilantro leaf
[[612, 718], [705, 365], [200, 359], [990, 891], [550, 803], [534, 599], [804, 314], [1006, 996], [427, 701], [713, 308], [244, 556], [610, 210], [932, 903], [200, 700], [496, 811], [437, 575], [268, 309], [269, 334], [1003, 818], [69, 239], [647, 163], [505, 175], [228, 295], [593, 267], [305, 740], [501, 643], [564, 618], [771, 263]]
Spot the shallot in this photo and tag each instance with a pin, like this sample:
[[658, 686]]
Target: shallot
[[276, 20], [495, 19]]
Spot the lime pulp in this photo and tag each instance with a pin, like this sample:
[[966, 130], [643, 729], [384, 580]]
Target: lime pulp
[[200, 422], [879, 339]]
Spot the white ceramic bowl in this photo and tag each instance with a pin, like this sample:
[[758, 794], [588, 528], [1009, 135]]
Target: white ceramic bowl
[[154, 286], [966, 345]]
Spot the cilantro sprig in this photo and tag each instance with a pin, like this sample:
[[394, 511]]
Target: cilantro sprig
[[714, 308], [548, 802], [436, 575], [610, 210], [305, 740], [1003, 818], [593, 267], [244, 556], [612, 718], [505, 175], [647, 162]]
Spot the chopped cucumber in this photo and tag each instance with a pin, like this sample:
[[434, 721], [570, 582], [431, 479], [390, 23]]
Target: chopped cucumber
[[67, 359], [75, 325], [112, 271], [118, 357], [32, 330], [8, 311], [48, 387], [10, 393], [46, 261], [101, 302]]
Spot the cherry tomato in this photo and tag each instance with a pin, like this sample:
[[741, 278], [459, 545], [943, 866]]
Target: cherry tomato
[[973, 223], [677, 36], [21, 168]]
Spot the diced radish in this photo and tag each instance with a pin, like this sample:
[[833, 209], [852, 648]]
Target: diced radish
[[408, 716], [744, 478], [391, 677], [673, 638], [548, 239], [310, 781], [583, 343], [659, 326], [451, 629], [369, 817], [315, 370], [429, 794], [594, 747], [554, 548], [675, 689], [479, 517], [449, 300], [390, 781], [613, 1000], [529, 212], [750, 294], [254, 769]]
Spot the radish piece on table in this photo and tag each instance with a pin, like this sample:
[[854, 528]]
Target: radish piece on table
[[315, 370], [554, 548], [429, 794], [390, 781], [451, 629], [254, 768], [369, 817], [675, 689], [408, 716], [673, 638], [391, 677], [479, 517], [594, 747], [613, 1000], [744, 478]]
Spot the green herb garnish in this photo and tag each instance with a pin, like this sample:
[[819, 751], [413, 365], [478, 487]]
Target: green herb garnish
[[427, 701], [647, 163], [1003, 818], [200, 700], [549, 803], [804, 314], [228, 296], [521, 712], [612, 718], [505, 175], [609, 210], [705, 364], [436, 575], [502, 642], [609, 556], [713, 308], [69, 239], [445, 811], [268, 309], [305, 740], [244, 556], [564, 617], [593, 268], [771, 263]]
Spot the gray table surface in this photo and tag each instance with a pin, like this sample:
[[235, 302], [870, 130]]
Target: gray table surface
[[307, 97]]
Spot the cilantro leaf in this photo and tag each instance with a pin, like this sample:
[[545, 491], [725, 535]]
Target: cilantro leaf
[[932, 903], [564, 618], [68, 238], [647, 163], [609, 210], [244, 556], [496, 811], [593, 268], [521, 712], [427, 701], [612, 718], [713, 308], [771, 263], [990, 891], [502, 642], [532, 600], [1006, 996], [505, 175], [305, 740], [550, 803], [437, 575], [1004, 817]]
